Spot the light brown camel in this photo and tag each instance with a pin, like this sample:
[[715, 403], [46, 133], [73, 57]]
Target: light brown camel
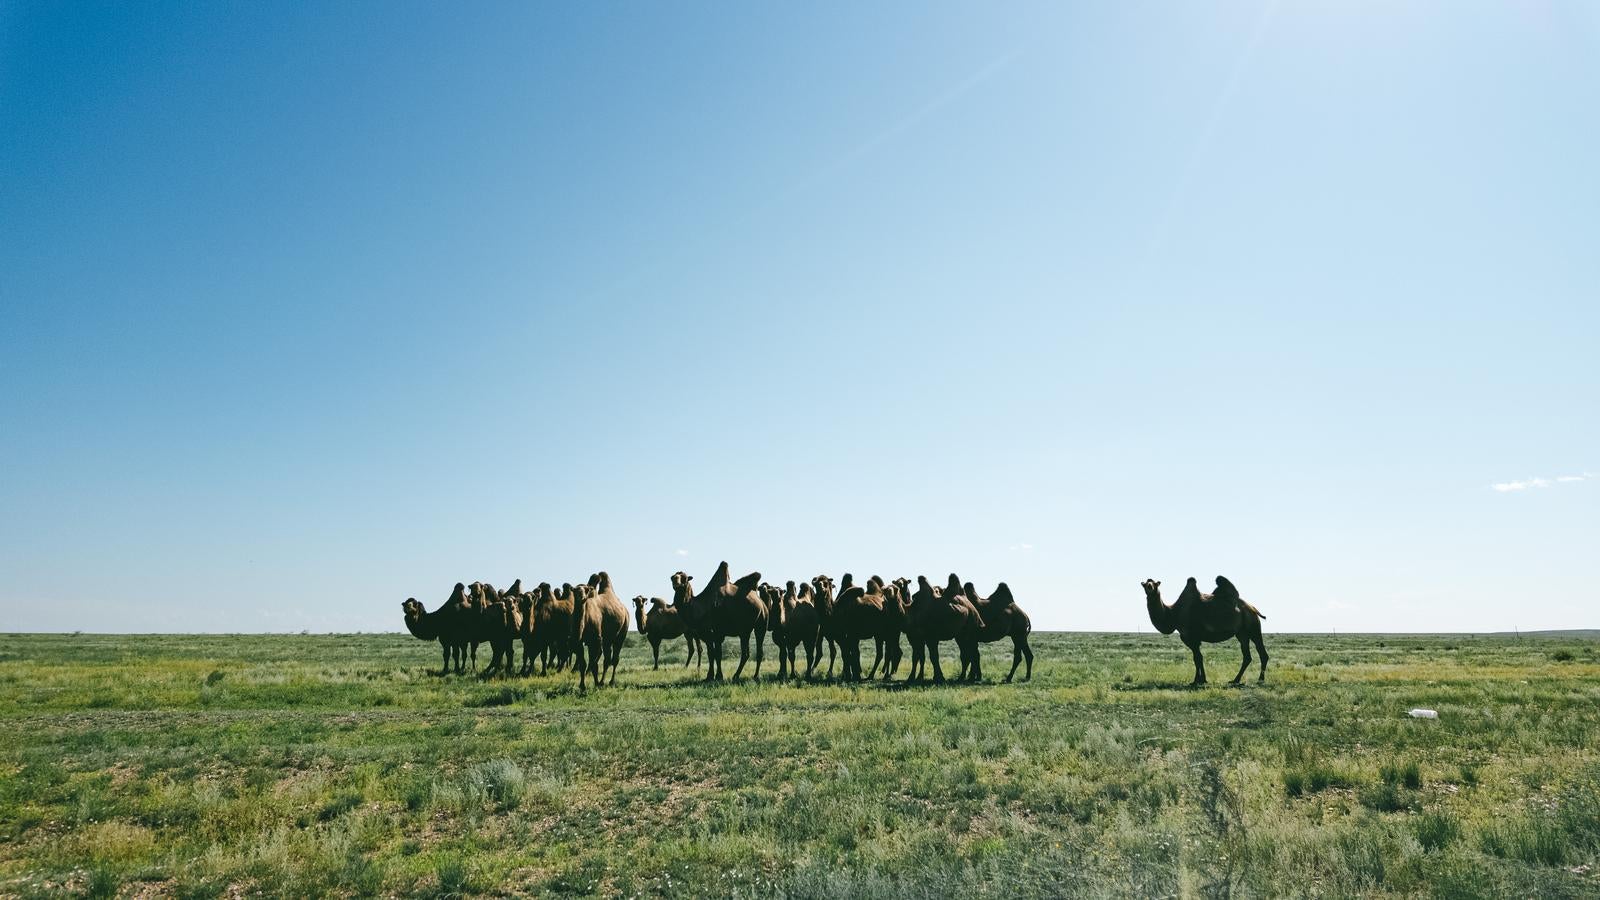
[[1002, 618], [725, 609], [1208, 619], [552, 628], [937, 616], [602, 627]]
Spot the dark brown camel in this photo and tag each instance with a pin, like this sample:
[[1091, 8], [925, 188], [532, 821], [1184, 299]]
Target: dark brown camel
[[862, 613], [896, 606], [1208, 619], [661, 623], [682, 593], [795, 624], [1002, 618], [442, 625], [937, 616], [602, 627], [725, 609], [823, 597]]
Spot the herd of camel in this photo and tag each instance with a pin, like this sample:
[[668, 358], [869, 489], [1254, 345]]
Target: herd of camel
[[586, 625]]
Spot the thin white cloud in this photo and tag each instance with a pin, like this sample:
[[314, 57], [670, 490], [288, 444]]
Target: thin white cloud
[[680, 553], [1022, 547], [1506, 487]]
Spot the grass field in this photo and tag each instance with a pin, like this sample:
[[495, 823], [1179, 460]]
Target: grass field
[[310, 765]]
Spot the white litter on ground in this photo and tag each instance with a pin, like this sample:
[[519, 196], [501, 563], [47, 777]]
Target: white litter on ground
[[1424, 714]]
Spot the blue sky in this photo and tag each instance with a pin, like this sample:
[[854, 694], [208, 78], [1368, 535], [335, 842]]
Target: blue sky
[[306, 309]]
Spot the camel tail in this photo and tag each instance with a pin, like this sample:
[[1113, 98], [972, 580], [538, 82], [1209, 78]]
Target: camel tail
[[1258, 613]]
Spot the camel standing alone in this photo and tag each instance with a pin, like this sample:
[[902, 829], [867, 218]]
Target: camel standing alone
[[443, 624], [1208, 618]]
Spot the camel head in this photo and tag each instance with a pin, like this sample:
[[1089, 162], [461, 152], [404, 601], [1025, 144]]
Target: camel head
[[682, 588], [525, 604], [1161, 616], [638, 602], [413, 609], [901, 583]]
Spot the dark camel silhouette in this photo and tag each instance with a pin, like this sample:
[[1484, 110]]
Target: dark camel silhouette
[[1002, 618], [1208, 619], [937, 616], [795, 623], [726, 609], [444, 625]]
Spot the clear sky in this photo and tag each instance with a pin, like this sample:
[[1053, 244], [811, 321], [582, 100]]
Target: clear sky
[[308, 308]]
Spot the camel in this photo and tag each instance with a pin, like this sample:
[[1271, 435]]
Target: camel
[[896, 606], [795, 623], [503, 623], [550, 623], [1210, 619], [822, 591], [682, 594], [602, 627], [873, 611], [940, 616], [661, 623], [724, 609], [443, 625], [1002, 617]]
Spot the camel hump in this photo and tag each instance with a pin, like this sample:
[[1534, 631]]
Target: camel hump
[[851, 594], [1002, 596], [748, 583]]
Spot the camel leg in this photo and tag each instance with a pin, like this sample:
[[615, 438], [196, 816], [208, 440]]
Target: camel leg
[[655, 650], [1244, 647], [831, 647], [616, 656], [446, 648], [761, 644], [933, 657], [1016, 659], [1261, 648], [744, 655], [976, 663], [1027, 653], [877, 657], [1199, 665]]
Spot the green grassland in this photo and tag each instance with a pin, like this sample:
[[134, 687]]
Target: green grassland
[[312, 765]]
